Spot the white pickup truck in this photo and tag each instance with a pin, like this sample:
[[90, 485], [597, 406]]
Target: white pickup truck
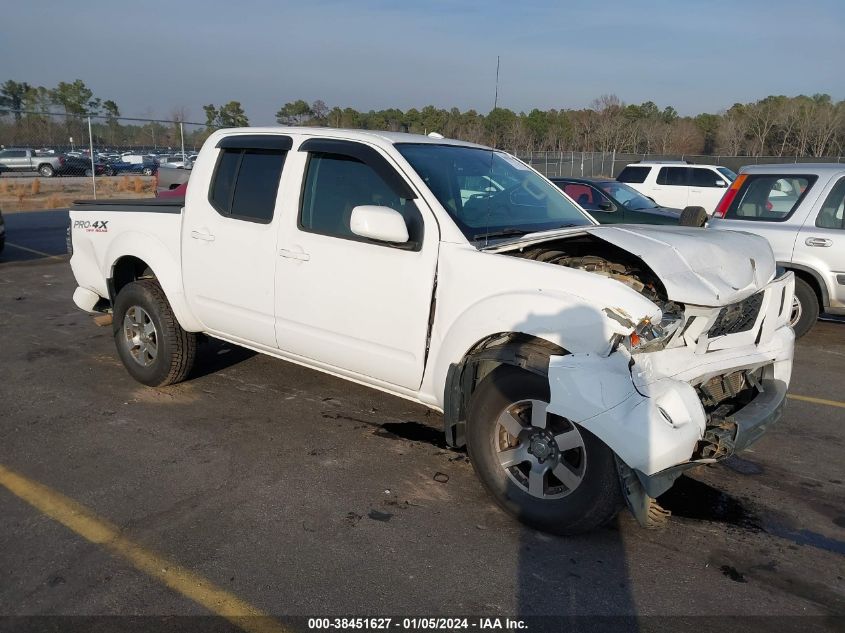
[[581, 365]]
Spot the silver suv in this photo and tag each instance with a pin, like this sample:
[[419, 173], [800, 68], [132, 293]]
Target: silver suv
[[799, 209]]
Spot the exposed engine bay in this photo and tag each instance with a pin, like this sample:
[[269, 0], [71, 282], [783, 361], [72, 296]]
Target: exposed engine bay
[[593, 255]]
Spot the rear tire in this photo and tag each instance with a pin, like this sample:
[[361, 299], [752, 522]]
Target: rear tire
[[154, 348], [805, 310], [147, 171], [585, 496], [693, 216]]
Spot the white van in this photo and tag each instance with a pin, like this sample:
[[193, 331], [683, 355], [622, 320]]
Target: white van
[[679, 184]]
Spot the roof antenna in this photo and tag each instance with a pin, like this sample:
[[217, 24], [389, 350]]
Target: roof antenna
[[495, 105]]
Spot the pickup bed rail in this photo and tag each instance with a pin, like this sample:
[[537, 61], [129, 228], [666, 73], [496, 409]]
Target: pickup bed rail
[[132, 205]]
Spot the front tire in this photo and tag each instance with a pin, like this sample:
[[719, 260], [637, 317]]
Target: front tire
[[46, 171], [805, 308], [147, 171], [546, 471], [154, 348]]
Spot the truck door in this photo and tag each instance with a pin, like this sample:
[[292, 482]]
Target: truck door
[[229, 238], [351, 303], [821, 242]]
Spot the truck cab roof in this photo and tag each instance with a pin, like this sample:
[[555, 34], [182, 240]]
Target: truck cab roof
[[376, 136]]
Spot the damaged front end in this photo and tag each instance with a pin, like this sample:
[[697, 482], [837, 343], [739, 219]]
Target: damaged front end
[[694, 387], [709, 390]]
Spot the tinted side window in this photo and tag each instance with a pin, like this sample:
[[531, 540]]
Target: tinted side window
[[769, 198], [677, 176], [336, 184], [634, 174], [245, 183], [582, 194], [703, 177], [832, 213]]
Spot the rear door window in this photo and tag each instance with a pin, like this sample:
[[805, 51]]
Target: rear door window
[[582, 194], [769, 198], [634, 173], [832, 213], [245, 183], [674, 176]]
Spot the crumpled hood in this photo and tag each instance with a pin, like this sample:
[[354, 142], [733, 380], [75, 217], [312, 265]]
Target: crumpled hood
[[697, 266]]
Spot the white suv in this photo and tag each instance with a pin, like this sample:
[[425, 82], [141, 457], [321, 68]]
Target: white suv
[[679, 184]]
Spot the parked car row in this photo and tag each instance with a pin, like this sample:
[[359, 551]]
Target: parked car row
[[49, 163], [798, 208], [679, 184]]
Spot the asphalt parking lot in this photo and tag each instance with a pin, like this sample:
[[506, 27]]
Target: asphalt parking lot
[[297, 493]]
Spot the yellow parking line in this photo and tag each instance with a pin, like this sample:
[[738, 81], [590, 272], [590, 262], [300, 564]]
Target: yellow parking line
[[88, 525], [829, 403], [32, 250]]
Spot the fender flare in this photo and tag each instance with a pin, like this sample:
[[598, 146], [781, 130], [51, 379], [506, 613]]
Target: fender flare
[[502, 329], [512, 348], [825, 297], [165, 267]]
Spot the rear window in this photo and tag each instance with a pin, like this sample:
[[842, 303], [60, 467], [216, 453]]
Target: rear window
[[769, 198], [633, 174]]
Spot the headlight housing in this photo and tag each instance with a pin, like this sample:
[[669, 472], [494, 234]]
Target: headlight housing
[[650, 337]]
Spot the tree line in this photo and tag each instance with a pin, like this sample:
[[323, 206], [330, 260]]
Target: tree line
[[776, 125]]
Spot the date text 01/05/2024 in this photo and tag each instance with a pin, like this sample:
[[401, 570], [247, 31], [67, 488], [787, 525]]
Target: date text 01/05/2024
[[417, 623]]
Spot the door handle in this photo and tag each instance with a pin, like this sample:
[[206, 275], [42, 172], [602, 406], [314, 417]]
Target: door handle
[[202, 235], [818, 241], [298, 255]]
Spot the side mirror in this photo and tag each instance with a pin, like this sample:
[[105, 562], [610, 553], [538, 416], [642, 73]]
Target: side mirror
[[605, 205], [721, 183], [379, 223]]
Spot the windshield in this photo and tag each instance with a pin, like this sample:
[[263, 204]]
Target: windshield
[[626, 196], [489, 194], [727, 173]]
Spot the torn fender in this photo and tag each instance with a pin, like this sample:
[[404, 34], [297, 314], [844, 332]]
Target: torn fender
[[650, 427]]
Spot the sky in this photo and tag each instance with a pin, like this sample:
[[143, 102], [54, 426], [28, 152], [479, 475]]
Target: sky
[[153, 56]]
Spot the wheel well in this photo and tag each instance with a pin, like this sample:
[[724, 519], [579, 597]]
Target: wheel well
[[812, 281], [126, 270], [526, 351]]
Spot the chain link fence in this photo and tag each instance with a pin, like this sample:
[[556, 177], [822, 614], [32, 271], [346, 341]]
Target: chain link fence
[[609, 164], [48, 160]]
